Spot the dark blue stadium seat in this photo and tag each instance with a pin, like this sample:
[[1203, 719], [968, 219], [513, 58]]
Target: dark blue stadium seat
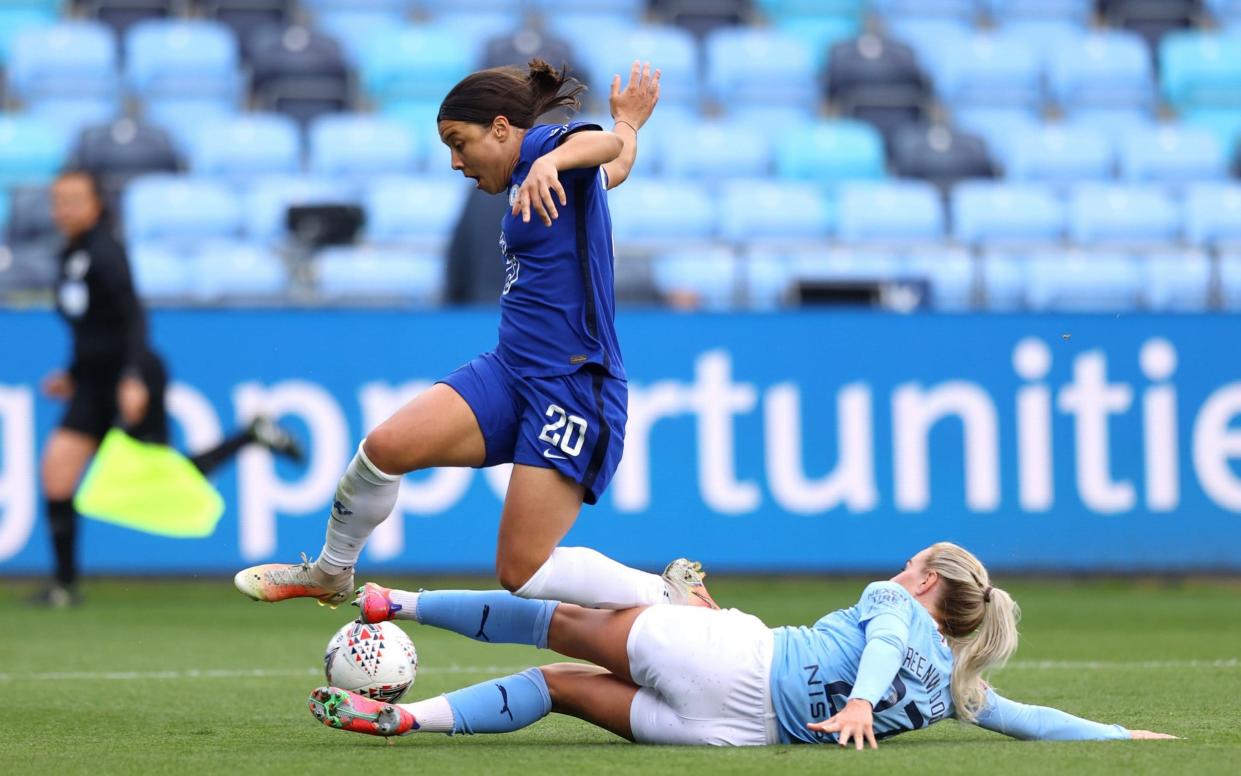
[[940, 154], [120, 15], [298, 72], [122, 149]]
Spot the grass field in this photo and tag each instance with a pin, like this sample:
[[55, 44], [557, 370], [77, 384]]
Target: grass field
[[188, 677]]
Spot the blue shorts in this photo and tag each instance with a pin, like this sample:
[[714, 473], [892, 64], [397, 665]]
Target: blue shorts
[[572, 423]]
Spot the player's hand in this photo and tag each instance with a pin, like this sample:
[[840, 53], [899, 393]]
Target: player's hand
[[132, 398], [855, 722], [635, 102], [540, 191], [58, 385], [1148, 735]]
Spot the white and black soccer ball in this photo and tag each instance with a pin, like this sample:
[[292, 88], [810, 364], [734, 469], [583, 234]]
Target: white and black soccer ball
[[376, 660]]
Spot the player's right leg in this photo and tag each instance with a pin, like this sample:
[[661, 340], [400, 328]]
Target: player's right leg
[[436, 428], [65, 458]]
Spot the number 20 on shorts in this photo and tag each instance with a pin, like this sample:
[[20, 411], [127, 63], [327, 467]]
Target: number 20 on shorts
[[574, 430]]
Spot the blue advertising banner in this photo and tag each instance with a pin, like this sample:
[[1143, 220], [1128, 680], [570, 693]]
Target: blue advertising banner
[[822, 441]]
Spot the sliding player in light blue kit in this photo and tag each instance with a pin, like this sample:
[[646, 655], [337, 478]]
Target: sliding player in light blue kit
[[910, 653]]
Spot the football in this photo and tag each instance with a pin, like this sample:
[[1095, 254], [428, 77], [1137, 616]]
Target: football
[[376, 660]]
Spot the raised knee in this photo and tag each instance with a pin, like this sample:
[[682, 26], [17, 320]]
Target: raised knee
[[514, 571], [383, 450]]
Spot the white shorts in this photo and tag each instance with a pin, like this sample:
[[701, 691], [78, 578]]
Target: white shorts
[[705, 677]]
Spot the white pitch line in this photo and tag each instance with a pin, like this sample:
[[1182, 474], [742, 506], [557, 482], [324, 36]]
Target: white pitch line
[[265, 673]]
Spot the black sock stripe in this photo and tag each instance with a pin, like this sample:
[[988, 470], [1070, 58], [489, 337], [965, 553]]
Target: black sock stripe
[[605, 433]]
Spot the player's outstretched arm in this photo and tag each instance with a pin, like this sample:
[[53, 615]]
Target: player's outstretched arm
[[631, 107], [1041, 723], [542, 188]]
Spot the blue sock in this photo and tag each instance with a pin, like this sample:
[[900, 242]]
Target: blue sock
[[495, 616], [501, 705]]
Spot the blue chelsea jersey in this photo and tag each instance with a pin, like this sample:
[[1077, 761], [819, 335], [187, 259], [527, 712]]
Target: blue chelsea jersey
[[557, 308], [813, 670]]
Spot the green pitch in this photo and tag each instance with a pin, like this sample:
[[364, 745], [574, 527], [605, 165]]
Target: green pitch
[[189, 677]]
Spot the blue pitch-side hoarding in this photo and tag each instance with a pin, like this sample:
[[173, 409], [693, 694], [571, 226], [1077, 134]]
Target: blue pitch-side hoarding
[[816, 441]]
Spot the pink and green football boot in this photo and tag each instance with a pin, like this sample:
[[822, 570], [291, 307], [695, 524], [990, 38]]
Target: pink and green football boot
[[374, 604], [346, 710]]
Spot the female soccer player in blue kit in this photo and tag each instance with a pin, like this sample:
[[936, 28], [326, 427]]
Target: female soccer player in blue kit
[[551, 398], [910, 653]]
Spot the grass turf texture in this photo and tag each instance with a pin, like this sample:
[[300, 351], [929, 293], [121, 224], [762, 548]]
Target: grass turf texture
[[1161, 656]]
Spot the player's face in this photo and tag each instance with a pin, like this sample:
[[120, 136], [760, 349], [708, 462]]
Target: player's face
[[914, 574], [481, 152], [75, 208]]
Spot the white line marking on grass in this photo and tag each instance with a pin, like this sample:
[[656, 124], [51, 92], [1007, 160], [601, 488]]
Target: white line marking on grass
[[264, 673]]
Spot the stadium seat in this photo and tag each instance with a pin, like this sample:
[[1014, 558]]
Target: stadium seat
[[1120, 214], [1201, 69], [1112, 122], [830, 152], [1172, 153], [797, 9], [661, 211], [761, 210], [240, 147], [182, 59], [69, 59], [418, 118], [1047, 35], [184, 119], [1078, 281], [715, 149], [515, 47], [990, 69], [939, 154], [1104, 70], [674, 49], [356, 145], [1224, 123], [1176, 282], [14, 21], [31, 150], [1059, 153], [1072, 10], [28, 256], [759, 66], [1213, 214], [964, 10], [73, 114], [853, 264], [703, 17], [370, 274], [890, 212], [820, 33], [630, 8], [933, 39], [357, 30], [1230, 282], [997, 126], [711, 276], [123, 149], [581, 29], [179, 211], [948, 272], [120, 15], [985, 212], [415, 62], [766, 279], [1153, 20], [1004, 281], [245, 17], [298, 71], [269, 197], [474, 29], [877, 80], [410, 210], [161, 272], [238, 270]]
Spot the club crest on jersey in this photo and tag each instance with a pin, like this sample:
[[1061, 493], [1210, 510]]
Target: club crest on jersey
[[512, 194]]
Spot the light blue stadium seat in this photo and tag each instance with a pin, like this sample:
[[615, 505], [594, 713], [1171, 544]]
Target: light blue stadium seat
[[766, 278], [357, 30], [247, 145], [1110, 69], [1081, 281], [179, 211], [857, 264], [631, 8], [1172, 153], [1176, 282], [161, 272], [964, 10], [474, 29], [994, 212], [1124, 214], [418, 116], [831, 151], [1200, 69], [760, 66], [998, 126], [415, 62], [1224, 123], [1004, 281], [405, 209], [672, 48], [1113, 122], [658, 210], [711, 274], [396, 7], [1074, 10], [359, 145], [369, 274], [774, 210], [239, 270], [948, 272], [1046, 34], [992, 69], [13, 21], [72, 114], [31, 149], [1213, 214], [1059, 153], [184, 119], [933, 40], [716, 149], [820, 33], [889, 211], [771, 120], [582, 29], [69, 59], [1230, 281], [181, 59], [270, 197]]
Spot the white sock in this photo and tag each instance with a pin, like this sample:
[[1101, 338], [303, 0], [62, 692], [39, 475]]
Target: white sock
[[434, 715], [579, 575], [365, 497], [407, 601]]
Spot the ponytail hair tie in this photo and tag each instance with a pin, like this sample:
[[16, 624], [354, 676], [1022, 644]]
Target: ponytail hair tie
[[986, 594]]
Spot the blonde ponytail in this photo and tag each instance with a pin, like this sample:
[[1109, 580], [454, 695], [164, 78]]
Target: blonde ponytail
[[979, 621]]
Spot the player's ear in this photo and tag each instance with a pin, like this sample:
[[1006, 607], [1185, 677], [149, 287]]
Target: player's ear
[[501, 128]]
